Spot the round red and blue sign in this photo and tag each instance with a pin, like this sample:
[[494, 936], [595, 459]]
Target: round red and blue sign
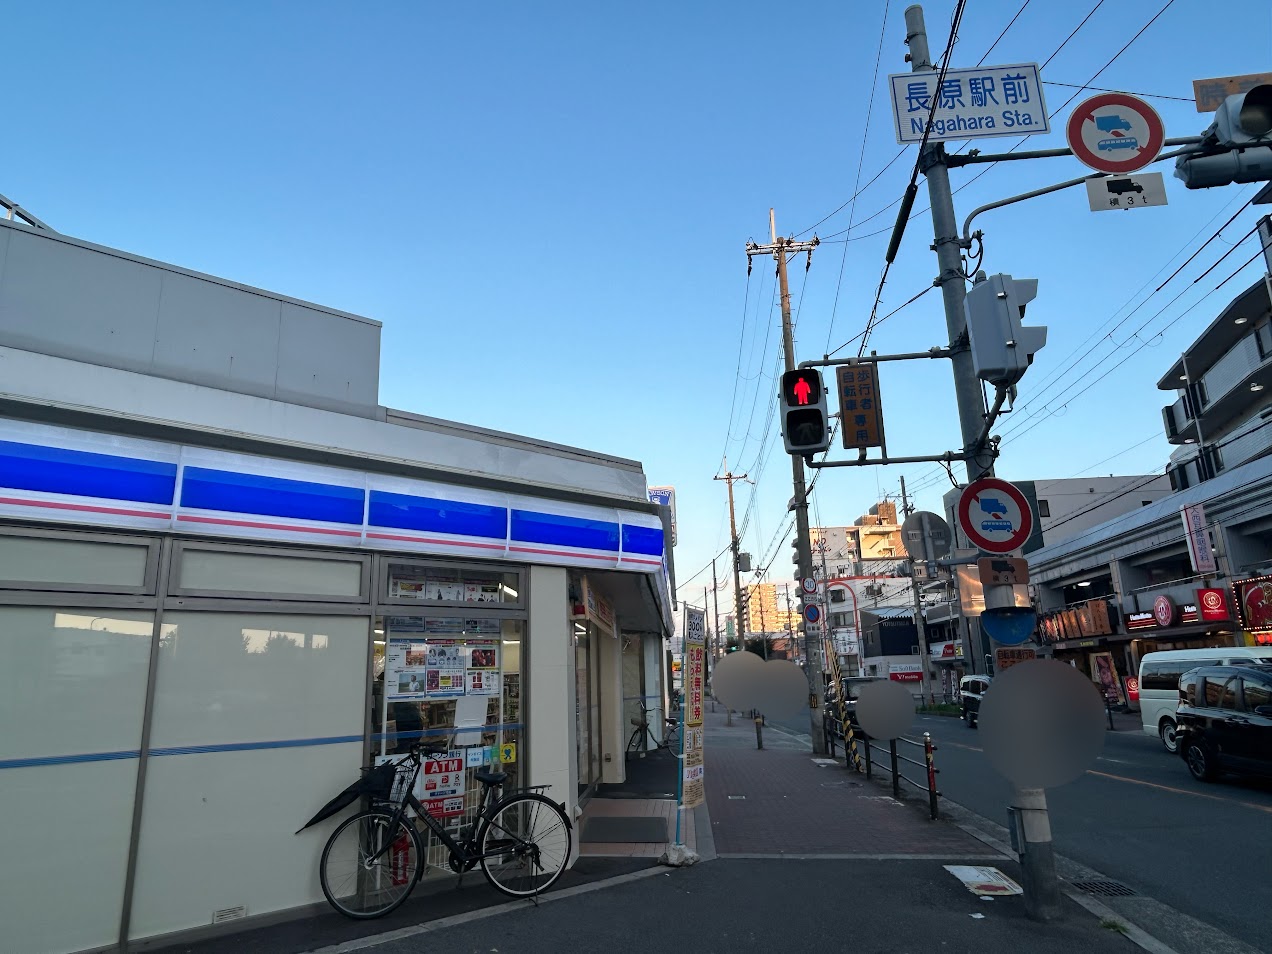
[[994, 515]]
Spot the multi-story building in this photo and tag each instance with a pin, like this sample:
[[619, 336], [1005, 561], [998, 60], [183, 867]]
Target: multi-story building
[[1220, 418], [1150, 579], [771, 608], [870, 547]]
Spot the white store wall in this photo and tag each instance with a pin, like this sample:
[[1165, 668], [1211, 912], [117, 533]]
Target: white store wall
[[550, 677]]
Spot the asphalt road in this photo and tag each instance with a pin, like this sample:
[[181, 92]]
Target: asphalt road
[[1138, 816]]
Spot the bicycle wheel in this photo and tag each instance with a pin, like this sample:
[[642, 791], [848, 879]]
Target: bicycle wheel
[[524, 844], [361, 877]]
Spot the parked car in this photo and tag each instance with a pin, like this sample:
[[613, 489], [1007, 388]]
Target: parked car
[[1159, 683], [971, 689], [851, 686], [1225, 720]]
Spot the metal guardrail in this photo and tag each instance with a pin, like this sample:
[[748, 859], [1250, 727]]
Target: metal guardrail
[[867, 747]]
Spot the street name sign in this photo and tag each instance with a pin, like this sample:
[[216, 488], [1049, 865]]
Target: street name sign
[[1126, 192], [979, 103]]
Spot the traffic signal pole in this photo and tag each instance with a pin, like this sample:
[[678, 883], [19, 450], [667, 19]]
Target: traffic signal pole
[[781, 250], [1037, 855], [967, 388]]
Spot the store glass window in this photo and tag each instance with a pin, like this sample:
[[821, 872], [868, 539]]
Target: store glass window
[[232, 572], [452, 681], [442, 585], [59, 563]]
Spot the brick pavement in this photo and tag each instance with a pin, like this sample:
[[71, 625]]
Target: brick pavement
[[791, 805]]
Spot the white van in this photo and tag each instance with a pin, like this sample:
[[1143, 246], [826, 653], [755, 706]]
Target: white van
[[1159, 682]]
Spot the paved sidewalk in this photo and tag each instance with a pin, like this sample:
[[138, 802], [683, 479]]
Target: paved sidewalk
[[778, 800]]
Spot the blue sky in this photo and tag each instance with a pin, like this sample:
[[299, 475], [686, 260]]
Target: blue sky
[[547, 205]]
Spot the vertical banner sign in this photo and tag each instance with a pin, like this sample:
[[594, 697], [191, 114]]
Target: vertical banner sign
[[666, 496], [860, 407], [693, 793], [1198, 535]]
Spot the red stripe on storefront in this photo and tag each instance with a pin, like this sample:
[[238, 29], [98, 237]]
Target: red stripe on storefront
[[221, 521], [562, 553], [441, 543], [84, 508]]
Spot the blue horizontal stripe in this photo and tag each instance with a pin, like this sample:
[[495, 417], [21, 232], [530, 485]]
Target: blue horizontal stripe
[[425, 733], [531, 527], [69, 759], [252, 746], [435, 515], [645, 540], [230, 492], [84, 474]]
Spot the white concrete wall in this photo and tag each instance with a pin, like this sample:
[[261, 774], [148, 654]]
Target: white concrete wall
[[549, 669], [1097, 499], [613, 739]]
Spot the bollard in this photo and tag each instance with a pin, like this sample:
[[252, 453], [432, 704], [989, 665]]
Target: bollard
[[928, 749], [896, 777], [759, 733], [1108, 709], [869, 763]]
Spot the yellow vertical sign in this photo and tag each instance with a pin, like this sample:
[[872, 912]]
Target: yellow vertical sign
[[693, 792]]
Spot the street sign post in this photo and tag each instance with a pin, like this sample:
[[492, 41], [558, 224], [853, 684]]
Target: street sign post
[[994, 515], [812, 613], [1115, 132], [808, 585], [1003, 571], [860, 406], [1126, 192], [978, 103]]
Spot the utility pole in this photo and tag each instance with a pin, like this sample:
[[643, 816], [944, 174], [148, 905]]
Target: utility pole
[[948, 246], [1037, 854], [781, 249], [729, 477], [919, 623], [715, 599]]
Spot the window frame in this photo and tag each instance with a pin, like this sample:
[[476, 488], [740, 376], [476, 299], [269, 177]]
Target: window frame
[[388, 560], [182, 546], [150, 580]]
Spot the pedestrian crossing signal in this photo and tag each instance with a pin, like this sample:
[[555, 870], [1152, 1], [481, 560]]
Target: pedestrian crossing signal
[[805, 427]]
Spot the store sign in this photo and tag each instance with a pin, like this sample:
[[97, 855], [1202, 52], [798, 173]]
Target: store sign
[[1254, 603], [692, 792], [1164, 610], [1132, 689], [666, 496], [594, 607], [1200, 551], [948, 652], [1006, 658], [1138, 621], [1087, 619], [905, 672], [1188, 613], [1214, 604]]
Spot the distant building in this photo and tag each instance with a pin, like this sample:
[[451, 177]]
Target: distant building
[[767, 608], [870, 547]]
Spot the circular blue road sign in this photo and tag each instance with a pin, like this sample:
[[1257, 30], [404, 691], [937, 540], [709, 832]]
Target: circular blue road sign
[[812, 612]]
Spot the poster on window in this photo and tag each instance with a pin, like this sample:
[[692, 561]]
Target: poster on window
[[444, 588], [483, 592], [405, 669], [481, 682], [444, 669]]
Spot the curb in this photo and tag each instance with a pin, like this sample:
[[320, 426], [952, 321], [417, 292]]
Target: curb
[[986, 831]]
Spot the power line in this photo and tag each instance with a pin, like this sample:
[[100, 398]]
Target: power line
[[861, 160], [1003, 34], [1106, 89]]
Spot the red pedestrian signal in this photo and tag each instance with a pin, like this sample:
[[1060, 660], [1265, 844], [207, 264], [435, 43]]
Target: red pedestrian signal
[[805, 428], [801, 388]]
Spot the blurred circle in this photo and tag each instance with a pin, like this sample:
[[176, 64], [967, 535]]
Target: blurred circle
[[738, 680], [1041, 723], [783, 690], [885, 709]]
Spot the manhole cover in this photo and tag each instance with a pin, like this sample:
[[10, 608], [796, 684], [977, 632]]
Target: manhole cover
[[1106, 889], [737, 798]]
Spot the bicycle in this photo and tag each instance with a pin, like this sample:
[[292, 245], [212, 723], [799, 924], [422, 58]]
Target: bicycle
[[373, 860], [672, 729]]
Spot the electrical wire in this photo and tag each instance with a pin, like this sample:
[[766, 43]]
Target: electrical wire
[[1010, 22], [1106, 89]]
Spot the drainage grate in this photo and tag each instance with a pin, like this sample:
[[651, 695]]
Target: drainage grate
[[1106, 889], [737, 798]]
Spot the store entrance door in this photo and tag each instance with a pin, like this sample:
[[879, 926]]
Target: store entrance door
[[587, 708]]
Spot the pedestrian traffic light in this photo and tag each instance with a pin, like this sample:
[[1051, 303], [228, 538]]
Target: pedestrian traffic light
[[1002, 347], [1242, 130], [805, 429]]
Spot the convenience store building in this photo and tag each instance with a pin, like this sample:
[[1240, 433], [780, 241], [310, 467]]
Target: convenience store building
[[229, 578]]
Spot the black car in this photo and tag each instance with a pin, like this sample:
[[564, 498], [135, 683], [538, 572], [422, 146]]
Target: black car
[[971, 689], [1225, 720], [851, 685]]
